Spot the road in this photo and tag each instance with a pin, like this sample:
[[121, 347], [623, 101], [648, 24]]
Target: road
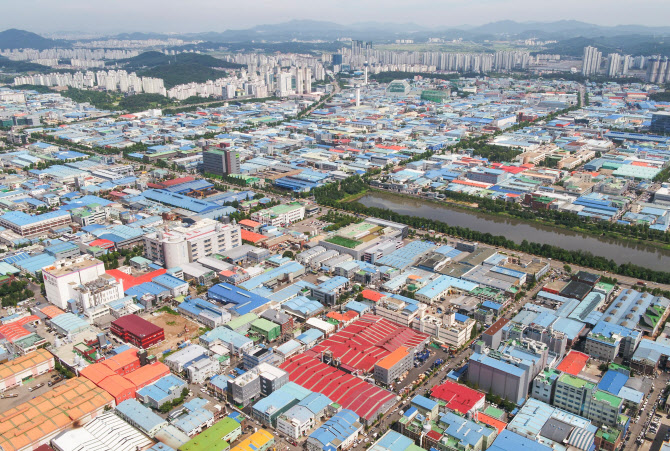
[[646, 415], [394, 413]]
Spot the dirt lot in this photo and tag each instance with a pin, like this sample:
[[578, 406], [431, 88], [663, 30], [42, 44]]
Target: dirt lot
[[173, 325]]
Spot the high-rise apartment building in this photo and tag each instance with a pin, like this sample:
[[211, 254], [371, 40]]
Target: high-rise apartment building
[[613, 65], [591, 61]]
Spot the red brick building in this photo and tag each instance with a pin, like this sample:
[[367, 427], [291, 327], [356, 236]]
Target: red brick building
[[138, 331]]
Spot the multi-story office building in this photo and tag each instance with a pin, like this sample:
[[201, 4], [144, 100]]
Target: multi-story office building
[[451, 329], [579, 396], [61, 279], [280, 215], [660, 122], [187, 244], [28, 225], [391, 367], [221, 161]]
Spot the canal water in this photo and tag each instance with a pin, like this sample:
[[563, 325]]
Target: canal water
[[620, 251]]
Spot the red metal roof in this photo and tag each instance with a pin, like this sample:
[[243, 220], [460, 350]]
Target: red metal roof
[[105, 244], [573, 363], [349, 391], [130, 281], [368, 340], [178, 181], [137, 326], [458, 397], [434, 435]]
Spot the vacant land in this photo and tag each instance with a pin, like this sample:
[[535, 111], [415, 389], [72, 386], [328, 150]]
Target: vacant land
[[174, 325]]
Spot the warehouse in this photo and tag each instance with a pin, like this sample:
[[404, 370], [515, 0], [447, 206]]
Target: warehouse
[[260, 440], [79, 397], [138, 331], [106, 432], [216, 438], [69, 324], [338, 433], [236, 343], [269, 330], [30, 365]]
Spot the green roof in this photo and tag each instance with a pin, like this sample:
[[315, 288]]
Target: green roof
[[493, 412], [576, 382], [241, 321], [342, 241], [612, 400], [211, 439], [264, 325], [611, 435]]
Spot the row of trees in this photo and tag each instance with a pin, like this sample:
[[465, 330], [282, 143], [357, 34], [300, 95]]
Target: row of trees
[[562, 219], [14, 292], [331, 195]]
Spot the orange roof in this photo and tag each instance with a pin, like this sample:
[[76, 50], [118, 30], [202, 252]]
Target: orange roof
[[129, 281], [25, 320], [393, 358], [51, 311], [573, 363], [120, 361], [12, 332], [249, 223], [494, 422], [344, 317], [372, 295], [96, 372], [26, 424], [469, 183], [252, 236], [116, 385], [25, 362], [148, 374]]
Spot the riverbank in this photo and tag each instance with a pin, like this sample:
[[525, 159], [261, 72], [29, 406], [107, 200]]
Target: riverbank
[[470, 207], [616, 256]]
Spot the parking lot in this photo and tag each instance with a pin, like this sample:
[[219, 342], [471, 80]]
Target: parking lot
[[25, 393]]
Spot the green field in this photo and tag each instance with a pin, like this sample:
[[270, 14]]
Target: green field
[[346, 242]]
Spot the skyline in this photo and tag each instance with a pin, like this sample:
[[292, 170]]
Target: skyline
[[210, 15]]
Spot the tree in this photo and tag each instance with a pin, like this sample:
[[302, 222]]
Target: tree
[[567, 268], [288, 254]]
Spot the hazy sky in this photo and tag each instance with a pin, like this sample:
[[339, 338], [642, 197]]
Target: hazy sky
[[218, 15]]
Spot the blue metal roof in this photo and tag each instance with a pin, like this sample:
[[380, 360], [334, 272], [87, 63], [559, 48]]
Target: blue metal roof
[[612, 382], [508, 440], [244, 301], [339, 427], [20, 218]]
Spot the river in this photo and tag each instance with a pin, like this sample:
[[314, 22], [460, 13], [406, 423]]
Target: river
[[620, 251]]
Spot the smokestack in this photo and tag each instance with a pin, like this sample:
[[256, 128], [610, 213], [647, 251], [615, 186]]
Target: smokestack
[[358, 97]]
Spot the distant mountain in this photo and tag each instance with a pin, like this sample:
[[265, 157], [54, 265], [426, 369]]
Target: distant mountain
[[383, 32], [21, 39], [564, 29]]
